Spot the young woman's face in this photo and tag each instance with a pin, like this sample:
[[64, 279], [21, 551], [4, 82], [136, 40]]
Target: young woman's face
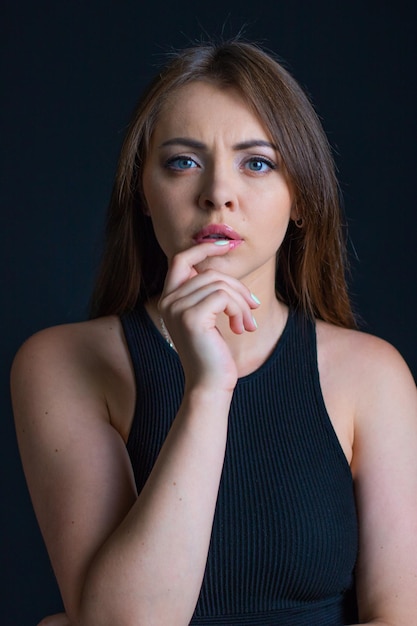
[[211, 172]]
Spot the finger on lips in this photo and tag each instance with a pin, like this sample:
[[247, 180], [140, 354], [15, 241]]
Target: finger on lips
[[185, 288], [184, 262], [182, 270]]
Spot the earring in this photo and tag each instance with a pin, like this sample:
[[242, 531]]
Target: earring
[[299, 222]]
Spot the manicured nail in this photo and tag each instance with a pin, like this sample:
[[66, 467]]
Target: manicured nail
[[254, 321], [255, 299], [222, 242]]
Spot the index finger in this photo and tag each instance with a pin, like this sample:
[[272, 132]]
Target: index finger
[[182, 265]]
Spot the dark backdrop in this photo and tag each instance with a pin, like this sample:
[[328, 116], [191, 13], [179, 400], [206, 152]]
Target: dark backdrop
[[71, 72]]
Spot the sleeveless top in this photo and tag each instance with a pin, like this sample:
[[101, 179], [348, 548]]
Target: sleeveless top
[[284, 539]]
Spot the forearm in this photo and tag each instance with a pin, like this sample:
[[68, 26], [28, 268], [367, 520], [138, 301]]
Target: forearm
[[150, 570]]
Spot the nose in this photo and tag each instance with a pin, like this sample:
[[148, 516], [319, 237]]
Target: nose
[[217, 192]]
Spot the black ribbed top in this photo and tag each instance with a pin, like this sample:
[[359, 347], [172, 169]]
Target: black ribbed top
[[284, 539]]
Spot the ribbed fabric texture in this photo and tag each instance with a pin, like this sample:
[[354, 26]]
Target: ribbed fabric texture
[[284, 539]]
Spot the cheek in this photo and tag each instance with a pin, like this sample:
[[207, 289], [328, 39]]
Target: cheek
[[159, 196], [161, 225], [276, 208], [165, 222]]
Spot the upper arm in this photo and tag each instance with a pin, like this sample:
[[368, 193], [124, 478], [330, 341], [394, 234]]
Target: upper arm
[[385, 471], [77, 468]]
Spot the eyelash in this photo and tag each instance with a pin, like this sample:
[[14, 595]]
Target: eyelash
[[262, 159], [181, 157], [170, 163]]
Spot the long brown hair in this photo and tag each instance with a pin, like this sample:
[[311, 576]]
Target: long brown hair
[[311, 263]]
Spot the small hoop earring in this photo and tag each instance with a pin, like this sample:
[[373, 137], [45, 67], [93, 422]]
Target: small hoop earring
[[299, 222]]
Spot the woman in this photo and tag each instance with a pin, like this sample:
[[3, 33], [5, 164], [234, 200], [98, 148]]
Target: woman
[[219, 445]]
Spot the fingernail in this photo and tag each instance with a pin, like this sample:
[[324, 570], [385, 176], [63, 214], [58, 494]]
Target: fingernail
[[221, 242], [254, 321], [255, 299]]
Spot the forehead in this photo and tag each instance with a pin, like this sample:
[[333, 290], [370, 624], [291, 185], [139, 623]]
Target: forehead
[[202, 108]]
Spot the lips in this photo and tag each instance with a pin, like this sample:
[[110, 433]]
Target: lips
[[216, 232]]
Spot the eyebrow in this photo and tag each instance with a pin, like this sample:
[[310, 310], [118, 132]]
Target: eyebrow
[[198, 145]]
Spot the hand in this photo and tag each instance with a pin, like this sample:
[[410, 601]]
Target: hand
[[190, 304], [59, 619]]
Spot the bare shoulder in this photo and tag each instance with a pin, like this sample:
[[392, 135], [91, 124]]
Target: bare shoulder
[[73, 400], [86, 358], [93, 337], [362, 359], [373, 400], [363, 380]]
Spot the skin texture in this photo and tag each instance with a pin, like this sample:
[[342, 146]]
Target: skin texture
[[128, 559]]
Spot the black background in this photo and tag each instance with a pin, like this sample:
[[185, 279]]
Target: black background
[[71, 72]]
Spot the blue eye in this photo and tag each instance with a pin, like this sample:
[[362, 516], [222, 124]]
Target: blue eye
[[257, 164], [181, 163]]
